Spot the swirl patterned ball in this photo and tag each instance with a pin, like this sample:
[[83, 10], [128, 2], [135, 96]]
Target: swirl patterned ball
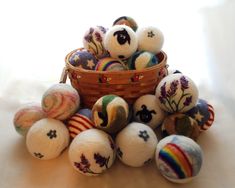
[[60, 101]]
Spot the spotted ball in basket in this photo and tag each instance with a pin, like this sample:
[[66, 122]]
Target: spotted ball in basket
[[60, 101], [110, 64], [26, 116], [120, 41], [110, 113], [141, 60], [176, 93], [180, 124], [150, 39], [83, 59], [93, 41], [178, 158], [47, 139], [80, 122], [203, 113], [92, 152], [126, 20], [136, 144], [147, 111]]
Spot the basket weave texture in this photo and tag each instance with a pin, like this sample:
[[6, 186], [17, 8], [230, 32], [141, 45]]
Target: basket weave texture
[[130, 84]]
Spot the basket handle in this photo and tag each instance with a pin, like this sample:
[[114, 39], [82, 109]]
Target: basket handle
[[64, 75]]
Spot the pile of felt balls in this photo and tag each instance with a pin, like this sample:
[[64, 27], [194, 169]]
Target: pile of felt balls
[[115, 128]]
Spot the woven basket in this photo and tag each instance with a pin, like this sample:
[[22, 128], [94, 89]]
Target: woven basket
[[130, 84]]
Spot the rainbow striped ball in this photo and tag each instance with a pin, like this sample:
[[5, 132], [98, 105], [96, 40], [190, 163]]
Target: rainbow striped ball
[[203, 113], [142, 59], [109, 64], [178, 158], [110, 113], [79, 123]]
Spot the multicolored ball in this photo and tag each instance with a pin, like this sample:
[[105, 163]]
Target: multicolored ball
[[26, 116], [78, 123], [126, 20], [60, 101], [180, 124], [110, 64], [47, 139], [141, 60], [110, 113], [136, 144], [178, 158], [203, 113], [93, 41], [83, 59], [150, 39], [120, 41], [92, 152], [176, 93], [147, 111]]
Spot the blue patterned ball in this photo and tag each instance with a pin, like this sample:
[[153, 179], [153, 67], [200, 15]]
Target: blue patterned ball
[[83, 59]]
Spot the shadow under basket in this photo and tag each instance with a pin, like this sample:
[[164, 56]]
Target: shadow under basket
[[130, 84]]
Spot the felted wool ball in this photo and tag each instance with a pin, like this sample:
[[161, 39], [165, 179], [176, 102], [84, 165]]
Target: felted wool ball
[[178, 158], [141, 60], [176, 93], [136, 144], [86, 112], [93, 41], [110, 64], [120, 41], [26, 116], [60, 101], [180, 124], [83, 59], [78, 123], [92, 152], [47, 139], [110, 113], [150, 39], [203, 113], [126, 20], [147, 111], [173, 71]]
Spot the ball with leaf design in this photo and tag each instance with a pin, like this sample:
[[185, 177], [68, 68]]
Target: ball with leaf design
[[92, 152], [176, 93]]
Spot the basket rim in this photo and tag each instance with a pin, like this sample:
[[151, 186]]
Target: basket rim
[[159, 65]]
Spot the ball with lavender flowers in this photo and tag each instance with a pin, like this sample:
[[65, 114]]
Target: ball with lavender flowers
[[120, 41], [176, 93], [92, 152], [93, 41]]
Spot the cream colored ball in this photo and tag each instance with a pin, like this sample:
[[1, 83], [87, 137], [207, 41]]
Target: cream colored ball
[[92, 152], [136, 144], [47, 138]]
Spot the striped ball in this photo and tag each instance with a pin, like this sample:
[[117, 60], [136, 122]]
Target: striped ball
[[142, 59], [78, 123], [109, 64], [203, 113], [178, 158]]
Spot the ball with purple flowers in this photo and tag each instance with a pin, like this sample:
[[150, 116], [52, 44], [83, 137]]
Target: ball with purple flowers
[[93, 41], [176, 93]]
